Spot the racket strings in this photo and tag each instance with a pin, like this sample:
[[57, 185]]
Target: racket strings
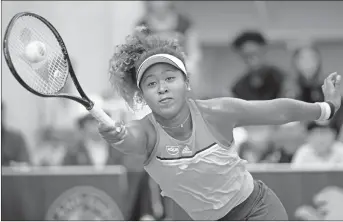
[[29, 78], [47, 76], [40, 82], [58, 63], [55, 60]]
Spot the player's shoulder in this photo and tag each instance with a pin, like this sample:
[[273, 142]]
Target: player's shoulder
[[222, 110]]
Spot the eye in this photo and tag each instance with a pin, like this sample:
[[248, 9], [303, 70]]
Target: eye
[[151, 84], [170, 78]]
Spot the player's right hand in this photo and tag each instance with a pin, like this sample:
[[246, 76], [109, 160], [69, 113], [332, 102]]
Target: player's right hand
[[112, 134]]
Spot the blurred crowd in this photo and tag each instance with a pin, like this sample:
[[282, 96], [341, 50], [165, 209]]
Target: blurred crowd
[[299, 144]]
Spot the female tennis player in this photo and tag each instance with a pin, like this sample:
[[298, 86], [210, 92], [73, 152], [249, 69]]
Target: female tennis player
[[188, 144]]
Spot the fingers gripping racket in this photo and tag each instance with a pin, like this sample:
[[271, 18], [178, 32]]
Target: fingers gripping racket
[[38, 58]]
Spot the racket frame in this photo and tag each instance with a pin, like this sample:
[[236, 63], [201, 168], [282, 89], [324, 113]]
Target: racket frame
[[84, 99]]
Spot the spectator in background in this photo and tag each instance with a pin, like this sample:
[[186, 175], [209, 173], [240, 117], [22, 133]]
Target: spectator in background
[[271, 144], [13, 145], [286, 140], [322, 147], [248, 153], [51, 148], [260, 81], [306, 86], [162, 17], [90, 148], [258, 144], [307, 62]]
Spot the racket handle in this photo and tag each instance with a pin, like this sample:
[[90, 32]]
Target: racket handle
[[102, 117]]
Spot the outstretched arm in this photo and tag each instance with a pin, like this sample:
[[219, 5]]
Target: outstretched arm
[[273, 112], [281, 111]]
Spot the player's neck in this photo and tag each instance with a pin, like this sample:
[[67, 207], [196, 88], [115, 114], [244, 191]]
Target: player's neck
[[177, 120], [180, 126]]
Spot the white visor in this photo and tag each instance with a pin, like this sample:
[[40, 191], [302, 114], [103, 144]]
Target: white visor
[[159, 58]]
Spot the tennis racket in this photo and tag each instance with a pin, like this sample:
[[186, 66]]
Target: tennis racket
[[38, 58]]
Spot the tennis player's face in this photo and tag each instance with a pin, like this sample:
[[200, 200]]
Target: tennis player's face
[[164, 89]]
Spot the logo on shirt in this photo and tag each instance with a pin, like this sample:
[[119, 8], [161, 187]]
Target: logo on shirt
[[186, 151], [172, 150]]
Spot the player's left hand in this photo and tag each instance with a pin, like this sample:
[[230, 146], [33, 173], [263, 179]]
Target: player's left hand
[[331, 89]]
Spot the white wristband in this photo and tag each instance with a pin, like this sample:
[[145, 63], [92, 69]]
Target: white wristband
[[325, 111]]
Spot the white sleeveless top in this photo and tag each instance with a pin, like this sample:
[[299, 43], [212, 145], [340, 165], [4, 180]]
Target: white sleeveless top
[[205, 178]]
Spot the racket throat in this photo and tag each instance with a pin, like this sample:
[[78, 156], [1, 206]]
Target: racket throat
[[90, 105]]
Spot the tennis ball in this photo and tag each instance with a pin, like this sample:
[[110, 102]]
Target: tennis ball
[[57, 74], [35, 51]]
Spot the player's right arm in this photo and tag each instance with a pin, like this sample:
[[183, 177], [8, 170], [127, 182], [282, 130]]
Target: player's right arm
[[132, 139]]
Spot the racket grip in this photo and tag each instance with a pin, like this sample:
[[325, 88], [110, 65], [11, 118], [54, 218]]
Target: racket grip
[[102, 117]]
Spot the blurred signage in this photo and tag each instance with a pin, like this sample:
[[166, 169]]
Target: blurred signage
[[84, 203], [307, 194]]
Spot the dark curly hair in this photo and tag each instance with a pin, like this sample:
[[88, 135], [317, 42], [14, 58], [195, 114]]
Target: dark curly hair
[[248, 36], [129, 56]]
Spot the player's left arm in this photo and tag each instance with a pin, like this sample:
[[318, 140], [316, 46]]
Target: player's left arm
[[281, 111]]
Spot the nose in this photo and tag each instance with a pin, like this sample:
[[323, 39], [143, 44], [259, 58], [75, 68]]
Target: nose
[[162, 88]]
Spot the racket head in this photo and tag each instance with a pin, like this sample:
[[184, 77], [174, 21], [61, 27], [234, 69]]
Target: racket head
[[47, 77]]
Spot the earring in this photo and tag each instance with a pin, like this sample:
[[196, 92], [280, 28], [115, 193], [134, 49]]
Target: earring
[[138, 102]]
